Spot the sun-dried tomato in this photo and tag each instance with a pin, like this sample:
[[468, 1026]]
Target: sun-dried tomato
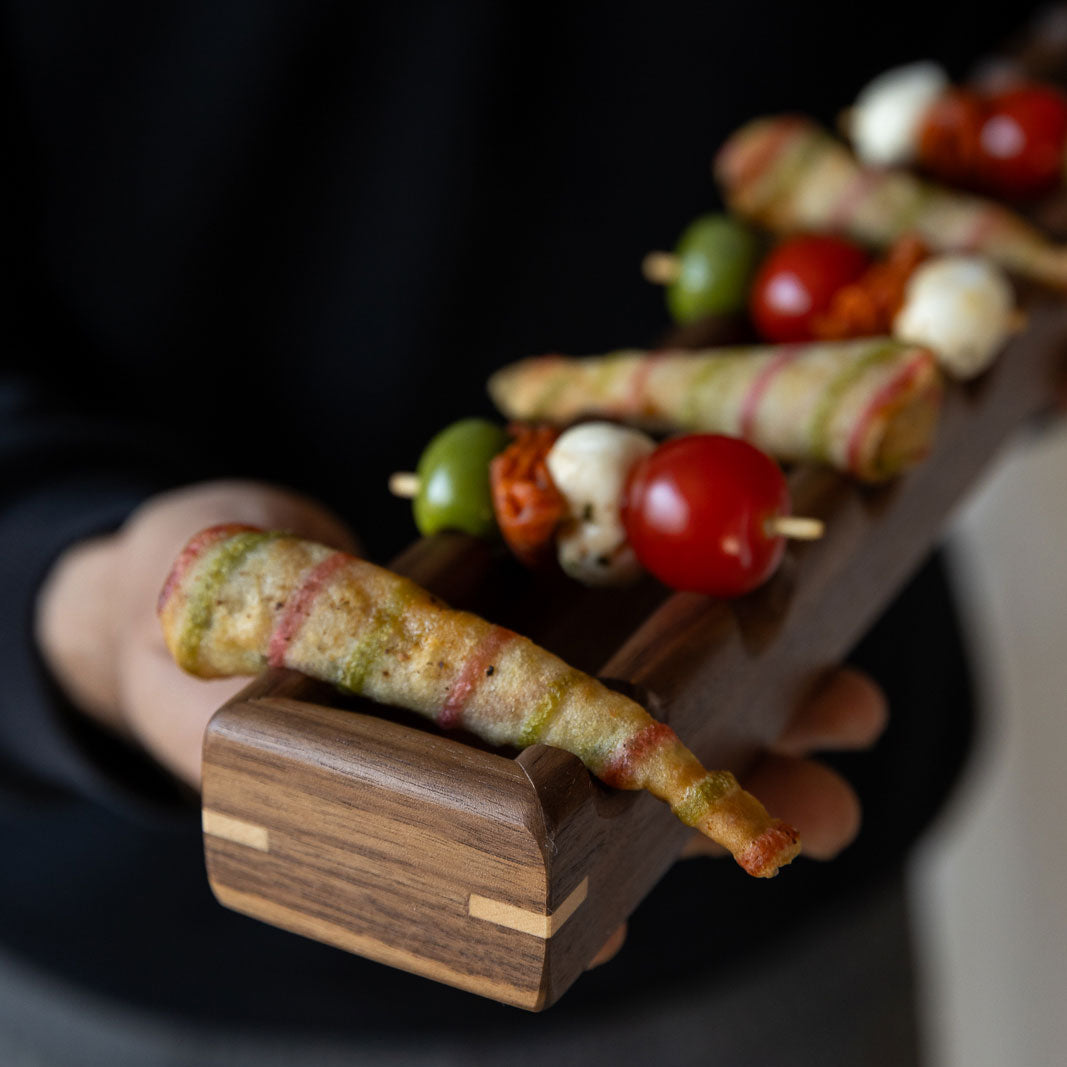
[[527, 504], [950, 138], [867, 306]]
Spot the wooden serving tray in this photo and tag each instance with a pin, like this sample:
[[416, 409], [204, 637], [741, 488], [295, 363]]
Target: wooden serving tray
[[503, 873]]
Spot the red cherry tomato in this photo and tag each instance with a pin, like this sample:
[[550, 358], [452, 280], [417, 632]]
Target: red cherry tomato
[[798, 280], [696, 513], [1022, 142]]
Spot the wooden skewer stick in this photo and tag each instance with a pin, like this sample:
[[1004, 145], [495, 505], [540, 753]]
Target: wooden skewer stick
[[404, 484], [796, 527], [661, 268]]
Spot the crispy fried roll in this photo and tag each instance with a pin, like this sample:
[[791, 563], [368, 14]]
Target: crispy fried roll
[[868, 407], [789, 174], [239, 600]]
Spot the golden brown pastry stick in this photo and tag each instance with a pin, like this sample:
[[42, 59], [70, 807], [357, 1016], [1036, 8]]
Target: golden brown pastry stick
[[868, 406], [789, 174], [239, 600]]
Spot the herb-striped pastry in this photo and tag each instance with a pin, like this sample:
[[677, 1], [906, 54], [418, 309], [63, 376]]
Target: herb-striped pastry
[[789, 174], [239, 600], [868, 407]]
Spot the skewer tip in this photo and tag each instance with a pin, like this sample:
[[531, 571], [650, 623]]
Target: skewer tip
[[661, 268], [796, 527], [404, 484]]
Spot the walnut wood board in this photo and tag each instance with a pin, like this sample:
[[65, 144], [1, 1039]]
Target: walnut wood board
[[503, 873]]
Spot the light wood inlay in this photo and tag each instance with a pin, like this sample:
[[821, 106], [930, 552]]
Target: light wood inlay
[[236, 830], [270, 911], [527, 922]]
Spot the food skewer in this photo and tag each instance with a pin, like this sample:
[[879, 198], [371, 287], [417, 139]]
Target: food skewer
[[1008, 141], [405, 485], [240, 600], [825, 287], [585, 491]]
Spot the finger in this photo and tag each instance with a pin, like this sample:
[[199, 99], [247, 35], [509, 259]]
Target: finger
[[169, 710], [165, 523], [610, 947], [847, 711], [806, 794], [810, 796]]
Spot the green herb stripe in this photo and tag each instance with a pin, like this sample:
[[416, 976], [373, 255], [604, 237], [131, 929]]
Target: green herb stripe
[[200, 610], [547, 708], [702, 797], [910, 217], [384, 625], [792, 163], [557, 383], [603, 373], [819, 434], [703, 382]]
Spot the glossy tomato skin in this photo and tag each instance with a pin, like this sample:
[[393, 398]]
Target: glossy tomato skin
[[798, 280], [695, 512], [1022, 142]]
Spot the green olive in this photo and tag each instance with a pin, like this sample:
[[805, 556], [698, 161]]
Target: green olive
[[453, 477], [717, 256]]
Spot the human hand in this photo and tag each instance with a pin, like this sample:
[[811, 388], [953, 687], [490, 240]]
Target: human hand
[[846, 712], [96, 619]]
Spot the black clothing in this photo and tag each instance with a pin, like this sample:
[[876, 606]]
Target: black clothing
[[290, 241]]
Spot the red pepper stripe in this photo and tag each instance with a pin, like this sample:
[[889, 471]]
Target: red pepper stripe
[[545, 384], [750, 405], [899, 383], [775, 846], [473, 672], [845, 209], [744, 160], [986, 223], [619, 770], [299, 605], [193, 551], [637, 386]]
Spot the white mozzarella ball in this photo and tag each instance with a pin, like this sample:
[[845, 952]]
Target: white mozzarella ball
[[962, 308], [589, 464], [884, 122]]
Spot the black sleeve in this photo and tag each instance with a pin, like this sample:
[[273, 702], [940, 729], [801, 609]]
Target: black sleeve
[[80, 447], [65, 477]]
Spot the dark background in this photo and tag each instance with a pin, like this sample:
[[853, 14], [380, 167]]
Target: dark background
[[252, 218], [289, 241]]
